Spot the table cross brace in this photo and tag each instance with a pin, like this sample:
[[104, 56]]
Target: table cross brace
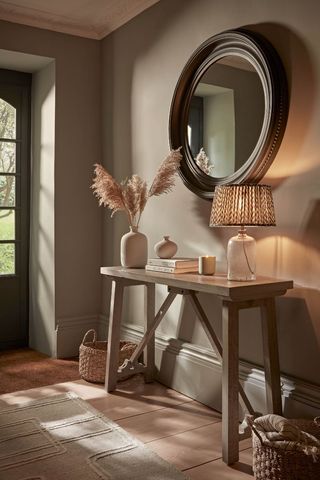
[[132, 366]]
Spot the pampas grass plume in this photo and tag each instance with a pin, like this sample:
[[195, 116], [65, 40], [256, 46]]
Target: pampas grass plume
[[132, 195]]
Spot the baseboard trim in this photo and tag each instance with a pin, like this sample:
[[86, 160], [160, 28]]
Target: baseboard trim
[[300, 398], [70, 332], [187, 368]]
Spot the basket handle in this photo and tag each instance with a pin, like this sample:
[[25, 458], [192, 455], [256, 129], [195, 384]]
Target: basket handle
[[250, 421], [253, 428], [88, 333]]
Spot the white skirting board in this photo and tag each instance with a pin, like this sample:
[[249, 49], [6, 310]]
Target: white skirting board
[[196, 372], [70, 332], [193, 370]]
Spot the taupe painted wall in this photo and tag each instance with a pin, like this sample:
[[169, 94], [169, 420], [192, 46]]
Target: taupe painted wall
[[77, 241], [141, 64], [42, 279]]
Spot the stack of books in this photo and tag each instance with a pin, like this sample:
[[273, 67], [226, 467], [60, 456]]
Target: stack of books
[[172, 265]]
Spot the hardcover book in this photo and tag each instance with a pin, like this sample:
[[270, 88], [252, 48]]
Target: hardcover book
[[176, 262], [159, 268]]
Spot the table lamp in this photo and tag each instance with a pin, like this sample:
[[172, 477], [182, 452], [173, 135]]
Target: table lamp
[[242, 206]]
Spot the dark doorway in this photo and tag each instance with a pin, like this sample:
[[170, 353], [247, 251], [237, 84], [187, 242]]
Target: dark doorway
[[15, 94]]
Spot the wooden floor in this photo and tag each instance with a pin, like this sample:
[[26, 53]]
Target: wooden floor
[[180, 430]]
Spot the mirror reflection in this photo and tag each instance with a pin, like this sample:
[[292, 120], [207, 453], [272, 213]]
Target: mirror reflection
[[226, 115]]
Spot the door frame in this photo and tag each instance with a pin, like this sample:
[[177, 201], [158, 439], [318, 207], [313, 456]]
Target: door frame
[[20, 82]]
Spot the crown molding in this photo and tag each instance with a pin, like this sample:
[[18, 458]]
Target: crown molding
[[122, 13], [48, 21], [118, 13]]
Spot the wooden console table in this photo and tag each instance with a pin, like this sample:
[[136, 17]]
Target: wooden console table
[[235, 296]]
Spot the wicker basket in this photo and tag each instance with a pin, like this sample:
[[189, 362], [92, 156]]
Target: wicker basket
[[93, 355], [275, 464]]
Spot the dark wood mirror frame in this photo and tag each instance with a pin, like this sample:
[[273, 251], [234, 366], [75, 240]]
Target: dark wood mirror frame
[[261, 54]]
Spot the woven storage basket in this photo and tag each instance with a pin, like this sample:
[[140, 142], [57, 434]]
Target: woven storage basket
[[275, 464], [93, 355]]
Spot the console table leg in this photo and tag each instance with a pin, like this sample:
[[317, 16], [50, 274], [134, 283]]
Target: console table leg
[[216, 345], [114, 335], [149, 313], [271, 356], [230, 382]]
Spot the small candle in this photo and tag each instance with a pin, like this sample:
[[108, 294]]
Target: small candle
[[207, 265]]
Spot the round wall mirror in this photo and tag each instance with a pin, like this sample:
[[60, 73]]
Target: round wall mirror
[[228, 111]]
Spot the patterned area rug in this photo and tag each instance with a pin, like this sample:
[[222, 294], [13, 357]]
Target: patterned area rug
[[64, 438]]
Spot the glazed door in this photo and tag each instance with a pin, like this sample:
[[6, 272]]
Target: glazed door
[[14, 207]]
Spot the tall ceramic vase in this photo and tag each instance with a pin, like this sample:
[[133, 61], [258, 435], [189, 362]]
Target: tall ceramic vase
[[134, 249]]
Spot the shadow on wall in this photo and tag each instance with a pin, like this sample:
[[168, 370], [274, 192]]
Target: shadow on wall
[[121, 86], [310, 234], [183, 355], [292, 249], [169, 359], [299, 312], [302, 83], [299, 331], [184, 333]]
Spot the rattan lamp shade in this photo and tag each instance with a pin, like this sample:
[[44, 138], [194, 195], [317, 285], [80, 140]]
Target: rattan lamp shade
[[242, 205]]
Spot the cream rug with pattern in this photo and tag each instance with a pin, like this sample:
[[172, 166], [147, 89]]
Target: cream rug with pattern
[[64, 438]]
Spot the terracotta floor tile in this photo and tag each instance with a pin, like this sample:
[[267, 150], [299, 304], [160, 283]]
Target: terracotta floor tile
[[218, 470], [152, 392], [193, 447], [129, 400], [170, 421], [117, 408]]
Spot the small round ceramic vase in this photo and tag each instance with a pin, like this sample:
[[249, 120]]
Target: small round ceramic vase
[[165, 248], [134, 249]]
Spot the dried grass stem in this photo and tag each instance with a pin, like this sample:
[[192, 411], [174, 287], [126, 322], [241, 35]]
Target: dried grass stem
[[132, 194]]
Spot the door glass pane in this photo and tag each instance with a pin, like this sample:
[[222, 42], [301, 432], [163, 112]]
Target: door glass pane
[[7, 263], [7, 157], [7, 120], [7, 191], [7, 229]]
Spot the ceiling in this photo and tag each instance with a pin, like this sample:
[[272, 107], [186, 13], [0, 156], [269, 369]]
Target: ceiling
[[85, 18]]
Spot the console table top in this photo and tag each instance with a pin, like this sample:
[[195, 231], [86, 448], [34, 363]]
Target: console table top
[[215, 284]]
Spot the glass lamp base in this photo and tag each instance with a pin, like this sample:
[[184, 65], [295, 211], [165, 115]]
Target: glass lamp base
[[241, 255]]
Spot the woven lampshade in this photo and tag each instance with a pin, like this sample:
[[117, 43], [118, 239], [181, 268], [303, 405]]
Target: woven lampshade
[[242, 205]]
